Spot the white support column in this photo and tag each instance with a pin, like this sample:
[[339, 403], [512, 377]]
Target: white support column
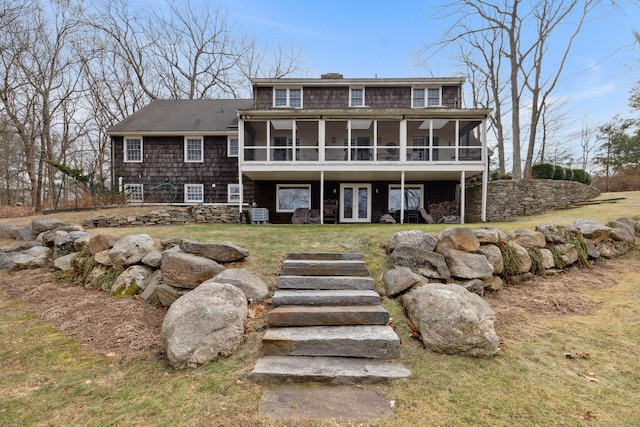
[[402, 197], [462, 196], [403, 141], [375, 140], [321, 197], [348, 140], [294, 146], [485, 174], [430, 139], [322, 134], [457, 140], [268, 133]]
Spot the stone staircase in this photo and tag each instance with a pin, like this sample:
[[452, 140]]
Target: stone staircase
[[327, 325]]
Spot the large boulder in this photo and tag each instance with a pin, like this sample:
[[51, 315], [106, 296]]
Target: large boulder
[[19, 246], [413, 238], [45, 224], [68, 241], [623, 224], [528, 238], [153, 259], [489, 234], [253, 288], [622, 234], [554, 233], [568, 253], [452, 320], [465, 265], [65, 263], [459, 238], [399, 279], [6, 230], [132, 281], [204, 324], [130, 250], [494, 256], [429, 264], [219, 252], [35, 257], [185, 270], [522, 260], [591, 229], [23, 233], [547, 258], [6, 260], [101, 242], [49, 237]]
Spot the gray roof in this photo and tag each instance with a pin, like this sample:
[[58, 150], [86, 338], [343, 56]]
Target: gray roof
[[183, 115]]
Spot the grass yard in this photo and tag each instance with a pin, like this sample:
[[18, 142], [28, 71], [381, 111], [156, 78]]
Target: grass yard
[[569, 357]]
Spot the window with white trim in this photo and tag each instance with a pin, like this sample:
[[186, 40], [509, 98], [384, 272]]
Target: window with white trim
[[193, 149], [356, 97], [413, 199], [417, 98], [133, 149], [290, 197], [434, 97], [232, 147], [426, 97], [134, 193], [194, 193], [287, 97], [233, 193]]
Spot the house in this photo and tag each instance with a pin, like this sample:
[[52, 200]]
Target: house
[[348, 150], [179, 152]]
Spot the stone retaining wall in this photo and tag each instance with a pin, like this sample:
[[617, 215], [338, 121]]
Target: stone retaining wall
[[507, 199], [170, 216]]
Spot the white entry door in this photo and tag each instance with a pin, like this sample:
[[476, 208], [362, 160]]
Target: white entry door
[[356, 202]]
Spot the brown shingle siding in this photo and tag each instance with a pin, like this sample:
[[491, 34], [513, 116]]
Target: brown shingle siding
[[163, 164]]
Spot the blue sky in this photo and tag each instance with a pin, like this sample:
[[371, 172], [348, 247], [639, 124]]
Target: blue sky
[[380, 38]]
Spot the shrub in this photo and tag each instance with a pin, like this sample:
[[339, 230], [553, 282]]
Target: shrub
[[497, 175], [568, 174], [558, 173], [543, 171], [581, 176]]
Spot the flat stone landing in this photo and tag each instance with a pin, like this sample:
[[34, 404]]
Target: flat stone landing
[[323, 402]]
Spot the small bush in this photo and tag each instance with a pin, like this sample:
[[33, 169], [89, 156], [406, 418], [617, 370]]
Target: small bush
[[543, 171], [497, 175], [558, 173], [568, 174], [580, 175]]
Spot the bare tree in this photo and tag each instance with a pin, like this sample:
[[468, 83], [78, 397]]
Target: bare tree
[[548, 16], [528, 71]]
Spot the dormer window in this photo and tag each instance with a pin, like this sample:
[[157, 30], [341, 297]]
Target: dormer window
[[289, 97], [356, 98], [426, 97]]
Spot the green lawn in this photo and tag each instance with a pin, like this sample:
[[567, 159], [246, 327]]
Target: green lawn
[[47, 379]]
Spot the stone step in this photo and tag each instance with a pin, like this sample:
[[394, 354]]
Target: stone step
[[370, 341], [293, 267], [301, 315], [325, 297], [330, 370], [324, 256], [325, 282]]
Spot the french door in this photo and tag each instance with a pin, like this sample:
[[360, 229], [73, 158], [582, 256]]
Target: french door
[[356, 202]]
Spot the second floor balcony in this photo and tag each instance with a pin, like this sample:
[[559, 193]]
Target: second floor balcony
[[361, 140]]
